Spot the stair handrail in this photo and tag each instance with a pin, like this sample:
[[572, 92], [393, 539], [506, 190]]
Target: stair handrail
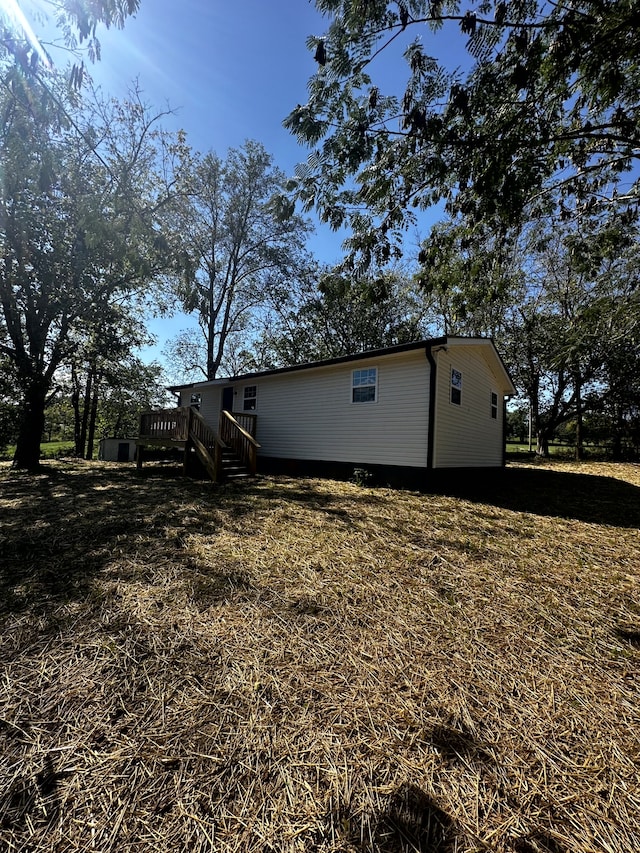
[[207, 443], [247, 421], [239, 440]]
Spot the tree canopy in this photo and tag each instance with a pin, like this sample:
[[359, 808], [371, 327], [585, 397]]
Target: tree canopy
[[80, 229], [338, 316], [240, 249], [543, 111], [563, 306], [76, 21]]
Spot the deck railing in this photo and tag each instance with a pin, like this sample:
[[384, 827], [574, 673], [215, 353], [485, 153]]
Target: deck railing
[[207, 444], [246, 421], [234, 435], [171, 424], [187, 425]]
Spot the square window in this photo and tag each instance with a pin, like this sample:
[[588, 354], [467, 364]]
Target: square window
[[364, 385]]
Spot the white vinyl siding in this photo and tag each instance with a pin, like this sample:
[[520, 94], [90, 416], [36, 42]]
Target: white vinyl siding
[[466, 435], [309, 414], [210, 405]]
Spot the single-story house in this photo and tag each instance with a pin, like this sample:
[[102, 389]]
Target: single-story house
[[398, 413]]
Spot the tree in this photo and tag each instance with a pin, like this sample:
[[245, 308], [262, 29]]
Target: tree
[[471, 278], [186, 352], [126, 389], [544, 111], [518, 423], [620, 405], [240, 249], [562, 305], [340, 316], [9, 411], [58, 423], [130, 388], [101, 360], [78, 23], [80, 226]]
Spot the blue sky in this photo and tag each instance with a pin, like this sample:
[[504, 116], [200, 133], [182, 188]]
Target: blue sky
[[230, 72]]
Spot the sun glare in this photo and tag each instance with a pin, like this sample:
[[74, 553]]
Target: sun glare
[[12, 11]]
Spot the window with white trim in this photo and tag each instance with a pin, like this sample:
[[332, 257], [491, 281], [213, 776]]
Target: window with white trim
[[456, 386], [364, 385], [494, 405], [250, 398]]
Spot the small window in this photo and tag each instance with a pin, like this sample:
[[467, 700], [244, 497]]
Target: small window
[[196, 400], [456, 386], [364, 385], [250, 400], [494, 405]]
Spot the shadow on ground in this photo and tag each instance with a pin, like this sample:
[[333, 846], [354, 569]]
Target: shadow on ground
[[583, 497], [412, 820], [63, 526]]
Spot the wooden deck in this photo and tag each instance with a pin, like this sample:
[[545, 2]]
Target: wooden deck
[[186, 429], [164, 428]]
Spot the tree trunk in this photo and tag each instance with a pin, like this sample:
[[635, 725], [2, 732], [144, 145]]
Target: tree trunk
[[115, 432], [579, 452], [92, 421], [579, 448], [75, 403], [542, 448], [31, 426], [617, 433], [86, 407], [211, 362]]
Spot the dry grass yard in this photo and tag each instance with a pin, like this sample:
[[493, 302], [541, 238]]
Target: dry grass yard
[[305, 665]]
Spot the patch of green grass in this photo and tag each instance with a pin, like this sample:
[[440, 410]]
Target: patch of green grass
[[48, 450], [559, 451], [53, 449]]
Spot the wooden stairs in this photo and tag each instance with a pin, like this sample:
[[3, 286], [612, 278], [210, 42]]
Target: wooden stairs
[[230, 454], [233, 468]]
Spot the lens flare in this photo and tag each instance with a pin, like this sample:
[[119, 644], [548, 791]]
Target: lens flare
[[12, 11]]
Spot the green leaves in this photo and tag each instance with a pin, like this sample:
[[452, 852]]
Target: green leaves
[[541, 86], [340, 316], [241, 240], [80, 227]]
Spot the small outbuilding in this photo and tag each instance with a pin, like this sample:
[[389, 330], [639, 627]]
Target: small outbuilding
[[117, 449]]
